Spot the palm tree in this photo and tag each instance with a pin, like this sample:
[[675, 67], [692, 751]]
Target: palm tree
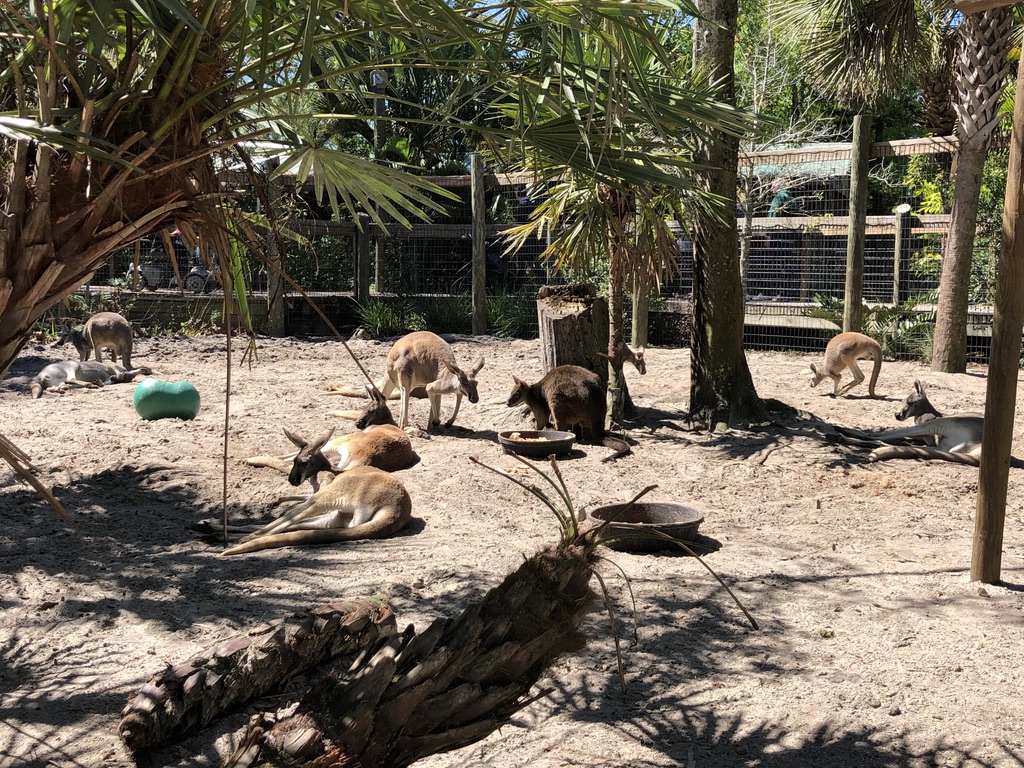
[[621, 225], [864, 49]]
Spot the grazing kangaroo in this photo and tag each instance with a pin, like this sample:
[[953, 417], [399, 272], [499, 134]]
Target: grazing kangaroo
[[919, 408], [72, 373], [362, 503], [423, 361], [573, 397], [842, 352], [104, 330], [384, 446], [627, 355]]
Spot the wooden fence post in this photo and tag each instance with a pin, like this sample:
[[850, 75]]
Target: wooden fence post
[[479, 245], [901, 255], [361, 272]]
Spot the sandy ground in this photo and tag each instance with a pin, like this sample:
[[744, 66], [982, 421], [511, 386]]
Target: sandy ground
[[874, 647]]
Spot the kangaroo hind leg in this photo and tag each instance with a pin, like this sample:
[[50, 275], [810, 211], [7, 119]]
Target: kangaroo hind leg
[[858, 374]]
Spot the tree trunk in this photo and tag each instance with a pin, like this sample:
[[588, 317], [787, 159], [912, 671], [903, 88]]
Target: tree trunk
[[982, 67], [721, 389], [573, 328], [853, 302], [949, 352]]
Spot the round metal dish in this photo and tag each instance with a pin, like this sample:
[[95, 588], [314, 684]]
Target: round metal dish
[[627, 532], [528, 444]]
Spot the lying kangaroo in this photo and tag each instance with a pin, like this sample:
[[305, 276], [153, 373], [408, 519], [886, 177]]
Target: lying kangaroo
[[104, 330], [842, 352], [949, 438], [573, 397], [362, 503], [919, 408], [72, 373], [380, 445]]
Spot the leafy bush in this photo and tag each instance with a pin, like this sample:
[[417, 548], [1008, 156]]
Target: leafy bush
[[445, 314], [513, 314], [381, 316]]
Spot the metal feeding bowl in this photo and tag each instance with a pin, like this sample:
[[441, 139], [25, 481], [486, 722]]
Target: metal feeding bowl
[[536, 443], [628, 530]]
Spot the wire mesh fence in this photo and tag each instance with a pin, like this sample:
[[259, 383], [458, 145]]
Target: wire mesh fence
[[792, 227]]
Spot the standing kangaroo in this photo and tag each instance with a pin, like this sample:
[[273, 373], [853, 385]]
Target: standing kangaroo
[[422, 362], [424, 359], [381, 445], [362, 503], [104, 330], [573, 397], [842, 352]]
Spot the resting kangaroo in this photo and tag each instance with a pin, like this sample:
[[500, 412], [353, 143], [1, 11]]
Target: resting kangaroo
[[919, 408], [950, 438], [573, 397], [362, 503], [72, 373], [104, 330], [842, 352], [380, 445]]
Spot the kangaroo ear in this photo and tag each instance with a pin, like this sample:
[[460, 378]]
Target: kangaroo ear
[[919, 388], [519, 382], [321, 441], [477, 366], [813, 369], [299, 442]]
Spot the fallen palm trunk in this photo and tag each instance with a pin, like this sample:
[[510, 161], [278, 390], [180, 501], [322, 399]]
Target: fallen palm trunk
[[185, 698], [442, 689]]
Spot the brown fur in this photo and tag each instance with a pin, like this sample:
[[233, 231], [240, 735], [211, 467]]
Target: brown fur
[[843, 352], [572, 397], [362, 503], [104, 330]]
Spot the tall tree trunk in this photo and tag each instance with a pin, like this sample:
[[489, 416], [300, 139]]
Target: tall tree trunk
[[949, 352], [721, 388], [854, 292], [982, 69]]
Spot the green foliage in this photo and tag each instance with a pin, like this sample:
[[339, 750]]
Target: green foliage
[[445, 314], [904, 331], [929, 183], [382, 316], [513, 314]]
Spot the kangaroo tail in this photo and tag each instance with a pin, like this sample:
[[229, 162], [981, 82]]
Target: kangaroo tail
[[621, 448], [875, 370], [347, 392], [374, 529], [915, 452]]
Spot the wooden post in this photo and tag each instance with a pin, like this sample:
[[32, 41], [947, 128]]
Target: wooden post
[[275, 284], [479, 245], [854, 293], [361, 271], [901, 255], [1004, 367]]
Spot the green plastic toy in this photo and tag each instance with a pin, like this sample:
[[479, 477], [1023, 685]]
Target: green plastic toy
[[156, 399]]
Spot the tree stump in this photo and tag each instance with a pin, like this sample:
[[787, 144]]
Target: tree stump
[[573, 328]]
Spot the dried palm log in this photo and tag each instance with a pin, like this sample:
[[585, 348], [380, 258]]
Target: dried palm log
[[185, 698]]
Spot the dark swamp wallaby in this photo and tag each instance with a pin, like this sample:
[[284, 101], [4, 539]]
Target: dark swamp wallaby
[[575, 400]]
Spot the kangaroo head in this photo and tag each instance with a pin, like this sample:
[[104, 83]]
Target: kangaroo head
[[376, 410], [818, 375], [519, 392], [309, 460], [464, 381], [915, 404], [66, 334]]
